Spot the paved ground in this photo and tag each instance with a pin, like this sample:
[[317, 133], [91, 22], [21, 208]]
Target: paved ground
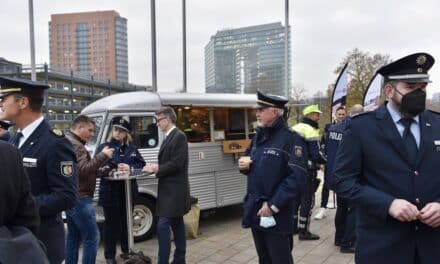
[[222, 240]]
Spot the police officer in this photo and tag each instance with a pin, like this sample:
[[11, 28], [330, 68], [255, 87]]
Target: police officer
[[4, 133], [339, 116], [47, 155], [388, 164], [112, 193], [344, 218], [308, 128], [275, 169]]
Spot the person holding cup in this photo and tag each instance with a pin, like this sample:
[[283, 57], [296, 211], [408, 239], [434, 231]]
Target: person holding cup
[[112, 193], [276, 172]]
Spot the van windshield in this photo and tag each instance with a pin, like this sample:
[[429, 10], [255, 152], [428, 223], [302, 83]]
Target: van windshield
[[91, 145]]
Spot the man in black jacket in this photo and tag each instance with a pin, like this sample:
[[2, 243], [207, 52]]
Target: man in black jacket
[[173, 200]]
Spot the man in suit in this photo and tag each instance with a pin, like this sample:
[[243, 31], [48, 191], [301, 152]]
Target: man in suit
[[47, 156], [19, 218], [173, 199], [17, 207], [388, 164]]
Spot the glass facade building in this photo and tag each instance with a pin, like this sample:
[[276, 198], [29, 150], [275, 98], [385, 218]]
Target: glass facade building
[[248, 59]]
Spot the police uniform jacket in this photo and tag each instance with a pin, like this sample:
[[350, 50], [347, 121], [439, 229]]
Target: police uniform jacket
[[332, 141], [372, 168], [112, 193], [276, 175], [17, 207], [51, 166], [6, 137]]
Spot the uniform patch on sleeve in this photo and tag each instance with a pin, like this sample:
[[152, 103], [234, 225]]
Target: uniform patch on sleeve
[[66, 168], [298, 151]]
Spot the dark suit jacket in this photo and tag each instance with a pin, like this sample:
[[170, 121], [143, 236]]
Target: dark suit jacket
[[173, 198], [17, 207], [372, 168], [51, 166]]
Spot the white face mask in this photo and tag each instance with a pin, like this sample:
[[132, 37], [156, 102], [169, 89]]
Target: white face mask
[[267, 221]]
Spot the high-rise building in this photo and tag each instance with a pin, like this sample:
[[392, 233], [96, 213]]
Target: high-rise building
[[248, 59], [90, 43]]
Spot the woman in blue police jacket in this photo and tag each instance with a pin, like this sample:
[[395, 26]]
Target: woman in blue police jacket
[[112, 193]]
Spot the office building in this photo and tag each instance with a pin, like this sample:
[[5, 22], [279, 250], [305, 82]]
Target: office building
[[248, 59], [68, 93], [90, 43]]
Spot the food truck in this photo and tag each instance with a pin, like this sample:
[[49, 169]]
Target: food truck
[[218, 128]]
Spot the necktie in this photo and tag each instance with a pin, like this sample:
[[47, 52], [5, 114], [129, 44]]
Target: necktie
[[409, 140], [16, 139]]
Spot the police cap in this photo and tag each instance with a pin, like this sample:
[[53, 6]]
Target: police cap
[[269, 100], [410, 69], [120, 122], [22, 86], [5, 125]]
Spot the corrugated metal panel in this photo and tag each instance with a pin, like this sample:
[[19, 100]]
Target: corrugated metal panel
[[231, 187], [202, 186], [209, 157]]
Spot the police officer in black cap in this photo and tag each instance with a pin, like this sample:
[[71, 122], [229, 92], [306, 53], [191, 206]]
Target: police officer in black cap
[[4, 133], [47, 155], [388, 164], [275, 166], [112, 193]]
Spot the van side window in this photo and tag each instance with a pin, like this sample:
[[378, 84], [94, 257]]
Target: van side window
[[194, 122], [145, 131]]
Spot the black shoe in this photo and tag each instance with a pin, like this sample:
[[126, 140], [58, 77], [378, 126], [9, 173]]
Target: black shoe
[[295, 232], [347, 250], [124, 256], [110, 261], [306, 235], [338, 243]]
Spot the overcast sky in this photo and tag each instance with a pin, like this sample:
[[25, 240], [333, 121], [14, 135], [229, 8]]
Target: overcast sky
[[322, 33]]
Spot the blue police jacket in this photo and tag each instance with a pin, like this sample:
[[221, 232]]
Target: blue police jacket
[[276, 175], [112, 193], [332, 140], [50, 163], [372, 169]]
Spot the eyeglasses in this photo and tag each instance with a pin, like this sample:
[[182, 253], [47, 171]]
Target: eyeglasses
[[160, 119]]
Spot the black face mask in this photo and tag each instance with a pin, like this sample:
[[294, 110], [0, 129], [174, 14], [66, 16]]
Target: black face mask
[[413, 103]]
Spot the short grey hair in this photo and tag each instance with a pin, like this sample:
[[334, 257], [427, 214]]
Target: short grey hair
[[168, 112]]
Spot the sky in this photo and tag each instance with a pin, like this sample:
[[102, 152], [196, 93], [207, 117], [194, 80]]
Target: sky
[[323, 32]]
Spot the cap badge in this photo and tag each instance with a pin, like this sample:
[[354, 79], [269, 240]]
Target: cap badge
[[421, 60]]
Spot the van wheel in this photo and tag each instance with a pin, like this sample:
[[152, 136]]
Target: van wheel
[[144, 222]]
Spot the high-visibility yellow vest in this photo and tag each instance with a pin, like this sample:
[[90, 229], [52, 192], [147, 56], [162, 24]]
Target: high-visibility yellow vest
[[308, 132]]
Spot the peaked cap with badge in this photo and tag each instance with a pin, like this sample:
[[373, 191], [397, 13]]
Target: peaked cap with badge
[[270, 100], [10, 85], [410, 69], [122, 123]]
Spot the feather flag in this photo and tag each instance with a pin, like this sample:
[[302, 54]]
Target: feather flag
[[339, 97], [371, 99]]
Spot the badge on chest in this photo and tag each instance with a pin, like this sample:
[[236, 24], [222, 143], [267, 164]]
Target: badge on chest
[[29, 162]]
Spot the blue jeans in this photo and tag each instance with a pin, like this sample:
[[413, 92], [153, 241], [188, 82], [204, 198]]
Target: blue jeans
[[81, 226], [163, 235]]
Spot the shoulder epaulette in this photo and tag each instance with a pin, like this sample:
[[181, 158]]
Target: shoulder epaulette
[[57, 132]]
